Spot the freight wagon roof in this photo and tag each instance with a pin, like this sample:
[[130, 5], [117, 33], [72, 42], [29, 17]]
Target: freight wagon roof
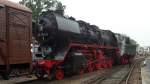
[[14, 5]]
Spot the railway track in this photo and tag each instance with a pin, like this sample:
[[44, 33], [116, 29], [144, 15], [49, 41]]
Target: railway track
[[115, 75], [120, 75], [129, 74], [100, 78], [134, 75], [87, 78]]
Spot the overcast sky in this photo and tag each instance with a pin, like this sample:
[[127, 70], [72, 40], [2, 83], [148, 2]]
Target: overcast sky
[[130, 17]]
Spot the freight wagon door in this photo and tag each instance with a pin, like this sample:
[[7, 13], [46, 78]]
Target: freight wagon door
[[2, 35], [19, 36]]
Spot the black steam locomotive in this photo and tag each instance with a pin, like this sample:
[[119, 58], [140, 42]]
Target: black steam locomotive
[[76, 46]]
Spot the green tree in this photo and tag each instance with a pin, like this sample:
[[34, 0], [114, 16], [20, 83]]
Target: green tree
[[38, 6]]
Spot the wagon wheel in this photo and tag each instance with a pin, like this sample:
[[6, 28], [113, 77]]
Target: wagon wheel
[[59, 74], [39, 73]]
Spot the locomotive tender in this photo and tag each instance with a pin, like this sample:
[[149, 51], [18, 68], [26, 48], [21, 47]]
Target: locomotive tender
[[73, 47]]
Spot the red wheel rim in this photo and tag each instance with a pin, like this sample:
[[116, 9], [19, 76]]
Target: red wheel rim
[[98, 66], [59, 74]]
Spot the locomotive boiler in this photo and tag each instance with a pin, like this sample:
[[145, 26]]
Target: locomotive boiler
[[57, 31]]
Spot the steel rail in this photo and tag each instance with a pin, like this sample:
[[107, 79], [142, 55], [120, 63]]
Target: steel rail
[[131, 70]]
